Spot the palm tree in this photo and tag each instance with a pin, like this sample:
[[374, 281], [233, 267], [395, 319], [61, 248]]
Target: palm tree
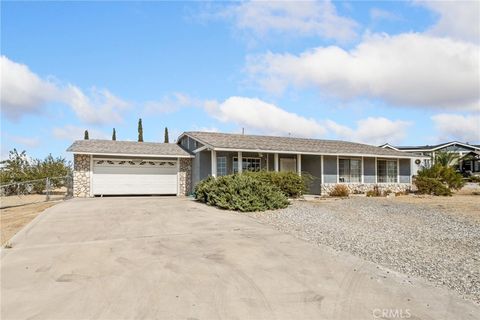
[[446, 159]]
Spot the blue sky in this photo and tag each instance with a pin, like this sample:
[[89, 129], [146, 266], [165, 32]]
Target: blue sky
[[400, 72]]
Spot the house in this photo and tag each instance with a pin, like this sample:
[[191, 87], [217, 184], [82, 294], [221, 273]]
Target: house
[[465, 163], [104, 167]]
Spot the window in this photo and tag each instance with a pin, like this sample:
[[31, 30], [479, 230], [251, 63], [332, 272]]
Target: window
[[248, 164], [349, 170], [221, 166], [387, 171]]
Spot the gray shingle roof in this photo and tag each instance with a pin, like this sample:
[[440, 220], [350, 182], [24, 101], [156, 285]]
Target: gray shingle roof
[[291, 145], [127, 148]]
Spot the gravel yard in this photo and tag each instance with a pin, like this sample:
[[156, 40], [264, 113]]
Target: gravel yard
[[416, 238]]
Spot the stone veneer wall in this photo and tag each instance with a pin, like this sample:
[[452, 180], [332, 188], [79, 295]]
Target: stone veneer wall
[[364, 187], [81, 175], [185, 176]]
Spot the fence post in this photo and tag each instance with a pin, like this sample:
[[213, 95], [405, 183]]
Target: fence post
[[47, 189]]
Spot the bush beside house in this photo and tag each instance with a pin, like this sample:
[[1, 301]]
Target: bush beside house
[[240, 192], [438, 180]]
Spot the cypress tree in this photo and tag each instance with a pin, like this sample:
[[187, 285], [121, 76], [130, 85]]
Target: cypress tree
[[140, 130], [114, 135], [166, 135], [85, 135]]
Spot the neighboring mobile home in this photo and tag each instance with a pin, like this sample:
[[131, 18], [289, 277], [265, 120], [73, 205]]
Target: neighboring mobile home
[[468, 154], [104, 167]]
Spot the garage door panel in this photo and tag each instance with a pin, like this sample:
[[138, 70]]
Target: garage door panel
[[134, 179]]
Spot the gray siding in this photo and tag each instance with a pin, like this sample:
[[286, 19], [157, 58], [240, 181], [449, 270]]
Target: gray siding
[[312, 165], [405, 171], [330, 169], [369, 170], [205, 164]]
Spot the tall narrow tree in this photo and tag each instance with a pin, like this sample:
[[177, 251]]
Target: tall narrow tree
[[166, 135], [114, 135], [85, 135], [140, 130]]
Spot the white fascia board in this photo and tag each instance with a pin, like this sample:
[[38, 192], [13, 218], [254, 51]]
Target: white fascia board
[[131, 155], [405, 156], [200, 149], [442, 146], [194, 138]]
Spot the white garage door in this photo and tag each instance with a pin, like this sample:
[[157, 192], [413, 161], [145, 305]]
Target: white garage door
[[117, 177]]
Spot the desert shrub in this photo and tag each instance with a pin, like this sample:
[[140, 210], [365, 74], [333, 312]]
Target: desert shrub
[[240, 192], [340, 190], [375, 192], [438, 180], [290, 183], [475, 179], [426, 185]]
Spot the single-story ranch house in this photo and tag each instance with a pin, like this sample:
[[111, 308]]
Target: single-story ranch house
[[105, 167]]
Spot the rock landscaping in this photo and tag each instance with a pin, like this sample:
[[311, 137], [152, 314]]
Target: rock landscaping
[[414, 239]]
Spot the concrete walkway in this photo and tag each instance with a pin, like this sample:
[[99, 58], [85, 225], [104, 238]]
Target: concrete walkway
[[172, 258]]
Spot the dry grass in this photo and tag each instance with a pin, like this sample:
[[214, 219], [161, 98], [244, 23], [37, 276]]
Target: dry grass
[[460, 204], [15, 218]]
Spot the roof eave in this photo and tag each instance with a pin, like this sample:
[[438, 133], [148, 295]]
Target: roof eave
[[131, 154], [400, 155]]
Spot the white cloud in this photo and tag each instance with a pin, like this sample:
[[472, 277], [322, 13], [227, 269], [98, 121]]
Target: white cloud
[[259, 116], [263, 117], [377, 14], [406, 70], [372, 130], [31, 142], [24, 92], [464, 128], [171, 103], [308, 18], [457, 19], [71, 132]]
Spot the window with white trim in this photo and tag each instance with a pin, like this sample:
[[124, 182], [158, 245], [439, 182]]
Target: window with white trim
[[248, 164], [221, 166], [387, 171], [349, 170]]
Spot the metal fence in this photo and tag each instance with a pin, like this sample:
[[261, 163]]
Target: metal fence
[[33, 191]]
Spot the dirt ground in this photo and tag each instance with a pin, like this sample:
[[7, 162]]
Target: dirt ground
[[15, 200], [15, 218], [464, 203]]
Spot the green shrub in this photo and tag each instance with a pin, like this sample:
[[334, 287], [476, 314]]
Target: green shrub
[[438, 180], [290, 183], [340, 190], [426, 185], [240, 192]]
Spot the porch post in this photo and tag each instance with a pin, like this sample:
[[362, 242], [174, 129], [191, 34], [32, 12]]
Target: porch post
[[275, 161], [299, 164], [321, 169], [239, 162], [214, 163], [362, 173]]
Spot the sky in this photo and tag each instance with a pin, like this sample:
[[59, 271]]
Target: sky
[[404, 73]]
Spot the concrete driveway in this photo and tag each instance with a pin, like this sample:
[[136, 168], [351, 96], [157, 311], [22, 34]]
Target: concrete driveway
[[173, 258]]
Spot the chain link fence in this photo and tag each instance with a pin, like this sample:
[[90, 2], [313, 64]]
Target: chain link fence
[[34, 191]]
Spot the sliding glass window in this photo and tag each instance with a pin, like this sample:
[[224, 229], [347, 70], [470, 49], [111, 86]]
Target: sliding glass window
[[349, 170], [387, 171]]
